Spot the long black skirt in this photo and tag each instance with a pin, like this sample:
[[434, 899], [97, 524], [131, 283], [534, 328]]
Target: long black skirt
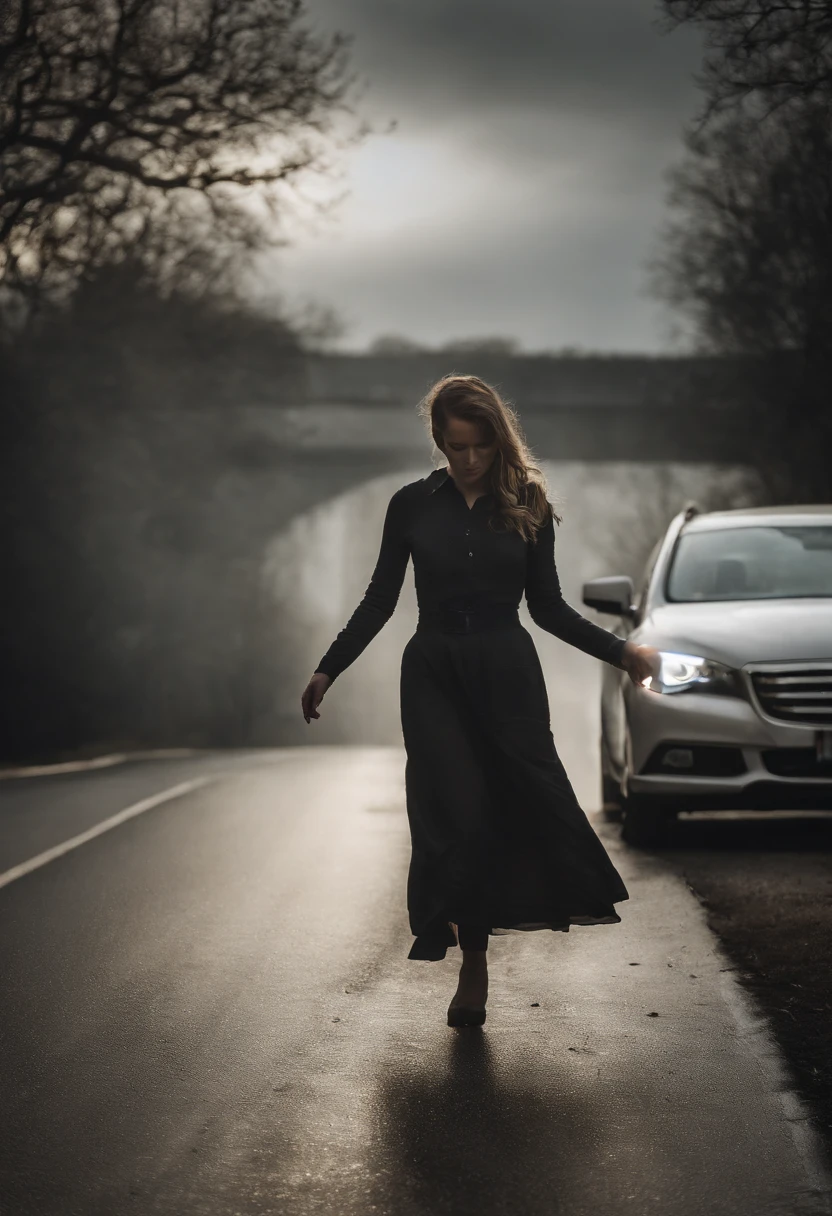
[[498, 836]]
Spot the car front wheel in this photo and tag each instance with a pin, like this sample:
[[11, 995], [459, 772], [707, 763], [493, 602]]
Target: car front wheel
[[647, 820]]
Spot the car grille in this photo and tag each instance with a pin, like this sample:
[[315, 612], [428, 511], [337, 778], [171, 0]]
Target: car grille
[[802, 693]]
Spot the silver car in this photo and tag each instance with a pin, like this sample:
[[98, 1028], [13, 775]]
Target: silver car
[[740, 605]]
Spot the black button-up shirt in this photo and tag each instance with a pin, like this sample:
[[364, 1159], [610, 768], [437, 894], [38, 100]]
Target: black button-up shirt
[[459, 561]]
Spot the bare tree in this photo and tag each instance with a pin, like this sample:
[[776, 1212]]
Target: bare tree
[[157, 126], [748, 257], [769, 52], [750, 253]]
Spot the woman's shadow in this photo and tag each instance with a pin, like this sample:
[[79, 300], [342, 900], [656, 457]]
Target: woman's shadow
[[478, 1131]]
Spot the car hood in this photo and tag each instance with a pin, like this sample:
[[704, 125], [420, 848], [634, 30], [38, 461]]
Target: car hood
[[742, 631]]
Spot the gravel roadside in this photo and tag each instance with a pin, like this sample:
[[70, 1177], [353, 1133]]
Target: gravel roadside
[[766, 886]]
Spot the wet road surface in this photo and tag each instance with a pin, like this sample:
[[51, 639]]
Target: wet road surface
[[209, 1009]]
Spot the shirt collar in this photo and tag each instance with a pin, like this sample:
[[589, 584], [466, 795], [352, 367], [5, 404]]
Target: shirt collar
[[442, 476]]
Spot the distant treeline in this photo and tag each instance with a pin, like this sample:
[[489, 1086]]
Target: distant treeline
[[133, 612]]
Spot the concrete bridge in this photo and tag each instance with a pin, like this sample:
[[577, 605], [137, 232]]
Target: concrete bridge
[[340, 420]]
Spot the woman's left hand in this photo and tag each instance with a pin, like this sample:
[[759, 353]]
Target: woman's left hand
[[639, 662]]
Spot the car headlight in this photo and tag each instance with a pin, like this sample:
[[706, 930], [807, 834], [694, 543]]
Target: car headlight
[[691, 672]]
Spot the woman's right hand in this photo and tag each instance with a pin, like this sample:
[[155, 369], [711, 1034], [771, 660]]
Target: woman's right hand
[[313, 695], [640, 662]]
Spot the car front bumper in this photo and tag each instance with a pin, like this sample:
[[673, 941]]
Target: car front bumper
[[762, 764]]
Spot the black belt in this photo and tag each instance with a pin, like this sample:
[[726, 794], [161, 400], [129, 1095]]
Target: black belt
[[468, 619]]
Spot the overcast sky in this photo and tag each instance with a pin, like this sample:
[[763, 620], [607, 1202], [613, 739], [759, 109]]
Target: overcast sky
[[521, 189]]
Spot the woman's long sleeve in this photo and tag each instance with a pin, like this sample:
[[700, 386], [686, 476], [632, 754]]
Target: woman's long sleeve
[[381, 596], [549, 610]]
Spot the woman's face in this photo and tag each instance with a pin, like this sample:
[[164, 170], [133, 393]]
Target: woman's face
[[470, 450]]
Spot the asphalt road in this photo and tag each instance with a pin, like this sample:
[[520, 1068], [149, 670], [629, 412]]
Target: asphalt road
[[208, 1009]]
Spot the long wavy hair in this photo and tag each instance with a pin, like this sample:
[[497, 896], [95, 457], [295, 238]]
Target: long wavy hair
[[518, 484]]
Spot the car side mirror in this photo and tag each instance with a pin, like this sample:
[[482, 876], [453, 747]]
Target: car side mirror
[[613, 594]]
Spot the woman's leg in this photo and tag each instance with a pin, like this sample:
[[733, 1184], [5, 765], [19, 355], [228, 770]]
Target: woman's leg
[[472, 989], [472, 937]]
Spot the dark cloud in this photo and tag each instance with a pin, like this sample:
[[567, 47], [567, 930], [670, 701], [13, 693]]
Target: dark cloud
[[523, 184], [435, 62]]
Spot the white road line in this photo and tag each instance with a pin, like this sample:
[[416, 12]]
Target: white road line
[[82, 766], [67, 766], [34, 863]]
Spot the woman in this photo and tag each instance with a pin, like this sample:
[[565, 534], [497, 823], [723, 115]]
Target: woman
[[499, 841]]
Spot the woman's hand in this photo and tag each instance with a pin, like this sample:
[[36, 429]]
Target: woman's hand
[[640, 662], [313, 695]]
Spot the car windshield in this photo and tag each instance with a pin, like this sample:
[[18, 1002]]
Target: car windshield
[[752, 563]]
